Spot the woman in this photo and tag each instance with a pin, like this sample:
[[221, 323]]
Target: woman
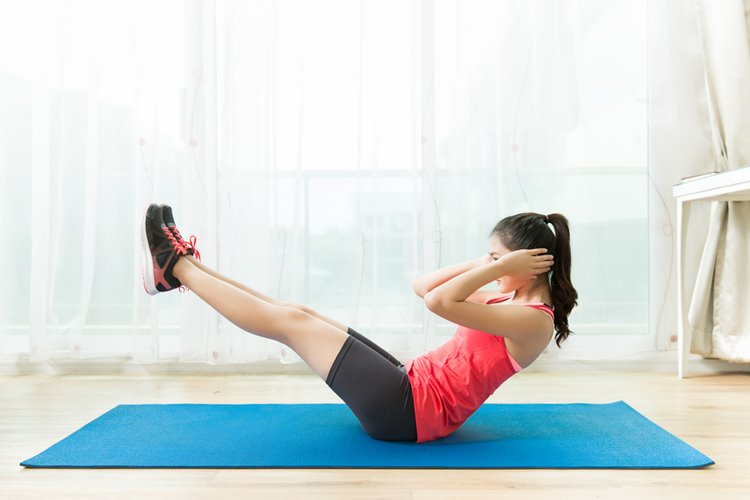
[[432, 395]]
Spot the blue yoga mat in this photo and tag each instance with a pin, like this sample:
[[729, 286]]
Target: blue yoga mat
[[573, 435]]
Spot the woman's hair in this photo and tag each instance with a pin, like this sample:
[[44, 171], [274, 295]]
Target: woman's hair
[[529, 230]]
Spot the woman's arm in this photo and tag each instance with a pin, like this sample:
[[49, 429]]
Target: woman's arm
[[524, 264], [516, 322], [459, 287], [424, 284]]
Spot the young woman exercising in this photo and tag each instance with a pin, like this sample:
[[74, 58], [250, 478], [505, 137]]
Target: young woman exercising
[[431, 395]]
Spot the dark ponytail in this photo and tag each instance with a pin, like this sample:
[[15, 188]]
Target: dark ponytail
[[530, 230]]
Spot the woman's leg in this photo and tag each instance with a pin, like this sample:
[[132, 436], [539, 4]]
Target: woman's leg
[[314, 340], [375, 347], [373, 386], [261, 296], [378, 392], [302, 307]]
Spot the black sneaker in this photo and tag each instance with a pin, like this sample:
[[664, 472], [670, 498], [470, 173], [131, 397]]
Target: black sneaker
[[189, 246], [160, 252]]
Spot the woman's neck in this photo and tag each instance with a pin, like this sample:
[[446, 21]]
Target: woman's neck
[[540, 297]]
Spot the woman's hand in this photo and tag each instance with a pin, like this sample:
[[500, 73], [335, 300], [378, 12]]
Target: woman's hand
[[526, 263]]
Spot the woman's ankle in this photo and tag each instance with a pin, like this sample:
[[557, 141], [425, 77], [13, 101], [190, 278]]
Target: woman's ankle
[[182, 268], [191, 259]]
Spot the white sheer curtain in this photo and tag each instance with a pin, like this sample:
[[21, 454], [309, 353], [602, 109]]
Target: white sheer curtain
[[718, 314], [322, 152]]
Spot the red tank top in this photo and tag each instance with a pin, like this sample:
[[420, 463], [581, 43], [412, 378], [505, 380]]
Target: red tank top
[[450, 382]]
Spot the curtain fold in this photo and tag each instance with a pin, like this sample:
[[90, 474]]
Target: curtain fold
[[718, 314]]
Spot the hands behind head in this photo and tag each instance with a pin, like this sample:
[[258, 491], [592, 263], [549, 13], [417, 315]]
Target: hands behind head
[[524, 264]]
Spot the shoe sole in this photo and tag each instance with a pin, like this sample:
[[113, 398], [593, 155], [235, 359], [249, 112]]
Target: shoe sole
[[148, 264]]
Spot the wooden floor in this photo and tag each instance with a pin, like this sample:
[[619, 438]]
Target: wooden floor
[[709, 412]]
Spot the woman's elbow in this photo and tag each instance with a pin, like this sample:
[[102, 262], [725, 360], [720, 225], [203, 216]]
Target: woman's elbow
[[418, 288], [433, 301]]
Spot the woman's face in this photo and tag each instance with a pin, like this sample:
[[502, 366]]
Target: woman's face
[[506, 284]]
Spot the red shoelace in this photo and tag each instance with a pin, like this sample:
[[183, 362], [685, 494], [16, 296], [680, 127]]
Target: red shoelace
[[184, 246], [188, 244], [180, 249]]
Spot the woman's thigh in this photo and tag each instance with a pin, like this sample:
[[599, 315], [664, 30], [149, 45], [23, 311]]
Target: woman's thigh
[[377, 391], [375, 347], [315, 313]]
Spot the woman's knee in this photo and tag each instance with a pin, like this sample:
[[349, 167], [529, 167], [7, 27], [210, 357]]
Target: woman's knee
[[300, 307], [287, 320], [295, 316]]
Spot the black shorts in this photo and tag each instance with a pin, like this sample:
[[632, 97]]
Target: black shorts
[[376, 388]]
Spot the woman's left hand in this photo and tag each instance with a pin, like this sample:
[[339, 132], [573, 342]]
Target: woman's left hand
[[526, 263]]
